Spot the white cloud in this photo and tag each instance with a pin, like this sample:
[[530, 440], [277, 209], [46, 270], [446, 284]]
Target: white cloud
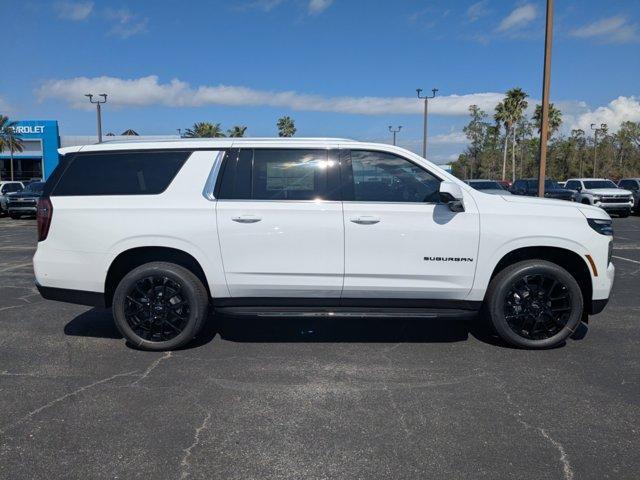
[[318, 6], [609, 30], [75, 11], [613, 114], [455, 137], [176, 93], [519, 17], [477, 10], [126, 23]]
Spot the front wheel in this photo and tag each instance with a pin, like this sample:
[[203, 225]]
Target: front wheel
[[15, 216], [160, 306], [534, 304]]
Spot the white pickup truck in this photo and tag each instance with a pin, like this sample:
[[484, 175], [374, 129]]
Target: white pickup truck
[[161, 231], [602, 193]]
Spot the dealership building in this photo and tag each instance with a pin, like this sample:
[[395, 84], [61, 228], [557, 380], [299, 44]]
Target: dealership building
[[40, 141]]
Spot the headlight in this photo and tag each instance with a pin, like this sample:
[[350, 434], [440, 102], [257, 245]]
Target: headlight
[[603, 227], [597, 198]]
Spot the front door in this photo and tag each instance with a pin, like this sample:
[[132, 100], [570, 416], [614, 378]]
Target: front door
[[400, 242], [280, 223]]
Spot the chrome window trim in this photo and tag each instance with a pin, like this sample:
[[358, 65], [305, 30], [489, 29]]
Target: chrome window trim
[[210, 185]]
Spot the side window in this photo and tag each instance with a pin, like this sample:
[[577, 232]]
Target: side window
[[119, 173], [519, 184], [384, 177], [571, 185], [277, 174]]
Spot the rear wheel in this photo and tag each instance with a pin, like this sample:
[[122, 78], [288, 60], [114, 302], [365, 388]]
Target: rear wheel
[[534, 304], [15, 216], [160, 306]]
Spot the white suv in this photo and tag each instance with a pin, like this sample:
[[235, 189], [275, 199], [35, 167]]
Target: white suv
[[602, 193], [161, 231]]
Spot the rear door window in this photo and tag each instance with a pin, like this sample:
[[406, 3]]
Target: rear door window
[[279, 174], [119, 173]]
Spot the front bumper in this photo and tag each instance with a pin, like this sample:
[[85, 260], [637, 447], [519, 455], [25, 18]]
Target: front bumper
[[30, 210], [616, 207]]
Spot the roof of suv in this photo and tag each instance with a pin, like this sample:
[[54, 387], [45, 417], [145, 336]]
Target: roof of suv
[[585, 179], [204, 143]]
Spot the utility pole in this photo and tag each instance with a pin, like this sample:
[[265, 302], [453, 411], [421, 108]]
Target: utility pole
[[426, 113], [98, 111], [394, 132], [603, 127], [546, 84]]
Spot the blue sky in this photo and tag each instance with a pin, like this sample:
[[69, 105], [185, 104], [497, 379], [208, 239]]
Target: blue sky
[[339, 68]]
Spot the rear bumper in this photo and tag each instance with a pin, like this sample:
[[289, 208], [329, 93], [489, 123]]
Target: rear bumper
[[80, 297]]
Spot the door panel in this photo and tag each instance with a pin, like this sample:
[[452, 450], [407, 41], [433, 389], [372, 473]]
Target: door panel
[[282, 249], [399, 241], [280, 227], [404, 253]]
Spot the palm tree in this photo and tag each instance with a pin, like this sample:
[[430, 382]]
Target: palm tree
[[515, 99], [204, 130], [9, 139], [236, 131], [555, 119], [286, 127], [502, 117]]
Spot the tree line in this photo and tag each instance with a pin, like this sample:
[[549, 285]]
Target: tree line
[[504, 146], [286, 128]]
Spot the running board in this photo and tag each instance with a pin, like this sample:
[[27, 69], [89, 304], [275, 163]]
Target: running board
[[351, 312]]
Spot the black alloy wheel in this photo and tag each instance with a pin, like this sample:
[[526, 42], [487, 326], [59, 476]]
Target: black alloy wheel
[[160, 306], [534, 304], [156, 308], [537, 306]]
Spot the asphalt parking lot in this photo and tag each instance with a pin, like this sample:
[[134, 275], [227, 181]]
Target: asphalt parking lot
[[313, 398]]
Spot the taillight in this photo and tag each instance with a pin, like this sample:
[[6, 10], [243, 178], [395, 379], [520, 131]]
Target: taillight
[[44, 214]]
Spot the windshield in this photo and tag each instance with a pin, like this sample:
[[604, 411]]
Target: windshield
[[35, 187], [589, 184], [488, 185]]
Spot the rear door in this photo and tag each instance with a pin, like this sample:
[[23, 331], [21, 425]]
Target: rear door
[[400, 242], [280, 223]]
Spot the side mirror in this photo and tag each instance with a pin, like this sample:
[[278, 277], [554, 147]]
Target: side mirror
[[451, 194], [579, 188]]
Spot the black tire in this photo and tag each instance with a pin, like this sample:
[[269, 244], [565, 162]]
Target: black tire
[[624, 214], [585, 202], [148, 326], [546, 330], [15, 216]]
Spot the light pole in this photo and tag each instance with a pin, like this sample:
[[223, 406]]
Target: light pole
[[98, 111], [426, 112], [179, 132], [394, 132], [546, 84], [603, 127], [578, 135]]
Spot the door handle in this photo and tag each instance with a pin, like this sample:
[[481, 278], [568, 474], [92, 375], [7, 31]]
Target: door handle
[[246, 219], [365, 220]]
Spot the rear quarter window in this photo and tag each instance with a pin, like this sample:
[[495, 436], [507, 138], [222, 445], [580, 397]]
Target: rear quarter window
[[118, 173]]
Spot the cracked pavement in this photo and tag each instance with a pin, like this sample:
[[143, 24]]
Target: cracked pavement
[[313, 398]]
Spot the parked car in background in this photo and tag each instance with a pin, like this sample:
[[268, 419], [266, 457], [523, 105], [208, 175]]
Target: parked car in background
[[529, 187], [161, 231], [7, 188], [488, 186], [24, 202], [602, 193], [633, 185], [504, 184]]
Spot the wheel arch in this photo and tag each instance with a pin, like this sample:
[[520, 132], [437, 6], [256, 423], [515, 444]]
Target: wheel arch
[[131, 258], [567, 259]]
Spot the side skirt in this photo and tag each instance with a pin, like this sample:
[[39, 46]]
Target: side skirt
[[345, 307]]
